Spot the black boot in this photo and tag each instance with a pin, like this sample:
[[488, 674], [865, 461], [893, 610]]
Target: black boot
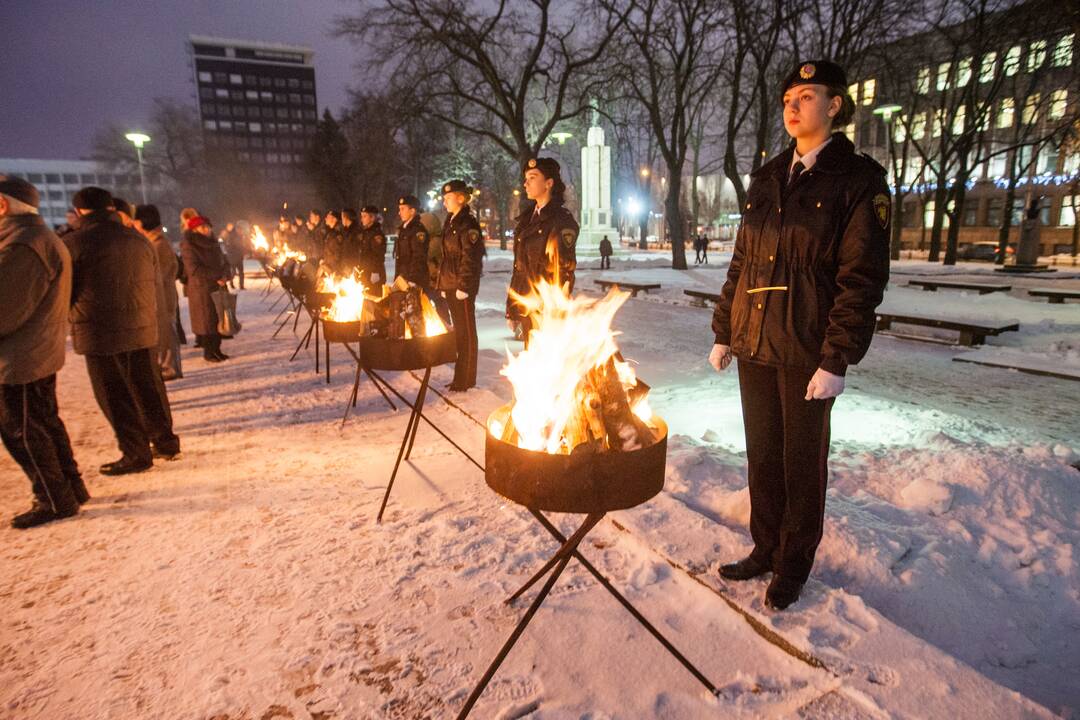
[[78, 490], [126, 466], [42, 513], [746, 569], [782, 592]]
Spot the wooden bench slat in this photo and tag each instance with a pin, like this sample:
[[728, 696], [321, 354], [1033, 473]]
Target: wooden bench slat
[[632, 287], [701, 296], [981, 288], [971, 332], [1055, 295]]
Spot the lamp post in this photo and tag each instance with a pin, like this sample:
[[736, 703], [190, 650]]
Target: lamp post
[[886, 112], [138, 140]]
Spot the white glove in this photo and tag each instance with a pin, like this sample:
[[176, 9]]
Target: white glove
[[720, 357], [824, 385], [461, 294], [375, 277]]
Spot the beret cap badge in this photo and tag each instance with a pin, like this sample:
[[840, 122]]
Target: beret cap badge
[[532, 163], [807, 71]]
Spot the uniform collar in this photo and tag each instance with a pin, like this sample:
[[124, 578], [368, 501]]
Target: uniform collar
[[809, 158], [834, 157]]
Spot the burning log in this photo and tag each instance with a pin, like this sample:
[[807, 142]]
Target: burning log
[[625, 430]]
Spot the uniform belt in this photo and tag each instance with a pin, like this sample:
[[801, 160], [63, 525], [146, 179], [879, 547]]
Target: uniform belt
[[764, 289]]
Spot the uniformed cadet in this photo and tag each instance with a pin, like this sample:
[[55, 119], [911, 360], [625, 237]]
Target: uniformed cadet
[[372, 250], [545, 240], [411, 247], [333, 245], [459, 277], [350, 240], [810, 266]]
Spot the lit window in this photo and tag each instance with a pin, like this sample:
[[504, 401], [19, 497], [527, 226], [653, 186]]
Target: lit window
[[1012, 61], [900, 129], [963, 72], [986, 68], [266, 96], [1036, 55], [251, 94], [255, 127], [1063, 51], [210, 124], [943, 76], [1069, 205], [236, 79], [1006, 110], [221, 93], [938, 114], [922, 83], [868, 89], [853, 91], [225, 125], [918, 126], [205, 77], [1030, 115], [959, 119], [1058, 104]]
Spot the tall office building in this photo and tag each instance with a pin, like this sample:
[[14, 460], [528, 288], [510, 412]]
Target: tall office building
[[257, 103]]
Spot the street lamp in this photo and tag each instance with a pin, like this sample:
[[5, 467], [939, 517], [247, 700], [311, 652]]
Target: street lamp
[[644, 172], [138, 140], [562, 137]]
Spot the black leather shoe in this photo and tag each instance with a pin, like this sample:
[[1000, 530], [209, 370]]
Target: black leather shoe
[[746, 569], [40, 514], [126, 466], [782, 592], [165, 453]]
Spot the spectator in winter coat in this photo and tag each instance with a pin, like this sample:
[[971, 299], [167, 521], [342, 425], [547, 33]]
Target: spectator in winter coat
[[114, 324], [35, 287], [148, 222], [207, 272]]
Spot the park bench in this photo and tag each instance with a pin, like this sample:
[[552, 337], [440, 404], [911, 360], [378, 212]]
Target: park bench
[[1019, 363], [700, 298], [981, 288], [1054, 295], [632, 287], [971, 332]]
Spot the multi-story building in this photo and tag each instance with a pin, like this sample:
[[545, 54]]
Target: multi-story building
[[58, 180], [995, 106], [257, 103]]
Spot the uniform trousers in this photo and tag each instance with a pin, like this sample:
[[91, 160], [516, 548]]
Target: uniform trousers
[[787, 450], [132, 396], [33, 433], [463, 316]]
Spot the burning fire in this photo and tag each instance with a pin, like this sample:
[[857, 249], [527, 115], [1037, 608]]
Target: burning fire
[[570, 388], [258, 240], [433, 324], [348, 302], [284, 253]]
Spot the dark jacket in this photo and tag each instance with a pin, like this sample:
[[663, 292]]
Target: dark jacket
[[350, 246], [114, 287], [333, 256], [462, 254], [168, 268], [235, 246], [411, 252], [35, 292], [204, 265], [372, 254], [827, 242], [605, 247], [316, 240], [553, 228]]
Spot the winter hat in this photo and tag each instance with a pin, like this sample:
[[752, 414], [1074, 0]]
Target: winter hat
[[410, 200], [93, 199], [197, 221], [548, 167], [459, 186], [19, 189]]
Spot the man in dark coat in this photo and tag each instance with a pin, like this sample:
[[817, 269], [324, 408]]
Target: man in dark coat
[[545, 240], [333, 256], [372, 250], [148, 222], [235, 246], [315, 244], [459, 278], [606, 252], [350, 240], [35, 287], [207, 273], [810, 267], [114, 324]]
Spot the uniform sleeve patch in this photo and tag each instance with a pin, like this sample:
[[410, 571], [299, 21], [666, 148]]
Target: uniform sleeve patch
[[569, 237], [421, 236], [881, 209], [473, 236]]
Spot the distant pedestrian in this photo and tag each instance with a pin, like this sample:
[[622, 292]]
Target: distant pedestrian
[[148, 222], [235, 241], [606, 252], [207, 272]]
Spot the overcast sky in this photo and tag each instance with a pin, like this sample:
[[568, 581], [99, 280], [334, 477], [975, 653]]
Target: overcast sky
[[68, 69]]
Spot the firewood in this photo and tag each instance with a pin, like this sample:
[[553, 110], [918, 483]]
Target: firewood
[[413, 311], [509, 433], [625, 431]]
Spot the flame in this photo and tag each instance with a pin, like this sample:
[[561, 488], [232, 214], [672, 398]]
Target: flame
[[433, 324], [348, 298], [284, 253], [258, 240], [570, 337]]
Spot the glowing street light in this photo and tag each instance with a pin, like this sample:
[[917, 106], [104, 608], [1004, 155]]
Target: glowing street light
[[138, 140], [562, 137], [645, 172]]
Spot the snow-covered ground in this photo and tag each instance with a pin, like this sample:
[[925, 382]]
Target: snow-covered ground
[[248, 579]]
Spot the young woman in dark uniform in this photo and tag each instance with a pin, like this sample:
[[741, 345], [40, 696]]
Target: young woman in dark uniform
[[459, 277], [810, 266]]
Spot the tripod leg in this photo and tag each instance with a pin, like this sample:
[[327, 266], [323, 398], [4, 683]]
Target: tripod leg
[[509, 644], [419, 410], [327, 344], [568, 547], [302, 341], [352, 397], [315, 321]]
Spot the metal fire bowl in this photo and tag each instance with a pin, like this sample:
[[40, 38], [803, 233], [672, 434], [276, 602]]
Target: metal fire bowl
[[581, 483], [342, 332], [318, 300], [412, 354]]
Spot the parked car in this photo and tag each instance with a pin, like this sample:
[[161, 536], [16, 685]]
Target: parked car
[[983, 251]]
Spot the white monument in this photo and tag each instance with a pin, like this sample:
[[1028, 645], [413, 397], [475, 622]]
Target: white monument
[[595, 192]]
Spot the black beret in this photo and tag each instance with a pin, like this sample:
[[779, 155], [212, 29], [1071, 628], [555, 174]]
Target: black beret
[[817, 72], [92, 198], [334, 213], [410, 200], [457, 186], [370, 210], [19, 189], [548, 167]]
